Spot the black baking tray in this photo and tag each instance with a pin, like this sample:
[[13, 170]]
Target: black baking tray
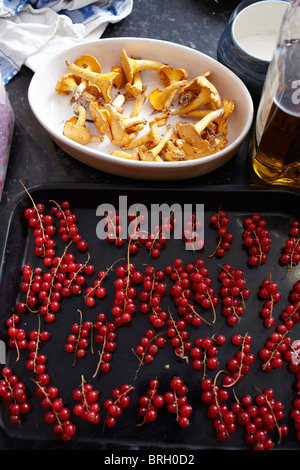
[[279, 208]]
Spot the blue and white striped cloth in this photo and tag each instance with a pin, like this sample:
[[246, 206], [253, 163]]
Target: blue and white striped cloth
[[33, 30]]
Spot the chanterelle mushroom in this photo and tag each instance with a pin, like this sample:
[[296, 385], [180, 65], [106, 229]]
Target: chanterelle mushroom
[[168, 76], [132, 66], [152, 154], [157, 98], [152, 137], [136, 87], [104, 81], [191, 133], [88, 62], [75, 128], [199, 92]]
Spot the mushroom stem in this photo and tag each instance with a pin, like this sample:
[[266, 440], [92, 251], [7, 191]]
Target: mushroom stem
[[132, 66]]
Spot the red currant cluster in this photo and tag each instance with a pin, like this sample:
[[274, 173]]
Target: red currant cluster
[[223, 418], [115, 405], [152, 241], [106, 336], [192, 233], [256, 238], [96, 291], [240, 364], [57, 413], [44, 228], [13, 392], [87, 406], [191, 281], [275, 348], [151, 295], [178, 335], [17, 335], [68, 228], [260, 417], [125, 293], [291, 250], [46, 290], [233, 293], [177, 403], [220, 222], [292, 356], [113, 228], [150, 402], [78, 341], [148, 348], [157, 239], [291, 314], [204, 351], [269, 293]]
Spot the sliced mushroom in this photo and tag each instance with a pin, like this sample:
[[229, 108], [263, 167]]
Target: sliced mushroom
[[132, 66]]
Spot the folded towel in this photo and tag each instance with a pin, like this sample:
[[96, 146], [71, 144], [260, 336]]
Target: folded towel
[[32, 31]]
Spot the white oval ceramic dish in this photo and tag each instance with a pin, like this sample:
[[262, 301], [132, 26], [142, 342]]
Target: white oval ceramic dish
[[255, 29], [52, 110]]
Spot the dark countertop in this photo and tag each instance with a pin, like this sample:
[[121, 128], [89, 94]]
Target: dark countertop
[[36, 159]]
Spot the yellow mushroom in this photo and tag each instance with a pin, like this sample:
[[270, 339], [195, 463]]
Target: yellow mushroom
[[157, 98], [152, 137], [222, 121], [69, 83], [119, 129], [173, 153], [122, 128], [88, 62], [191, 133], [139, 101], [132, 66], [101, 118], [75, 128], [119, 78], [152, 154], [104, 81], [126, 155], [168, 76], [199, 92], [136, 87], [118, 102]]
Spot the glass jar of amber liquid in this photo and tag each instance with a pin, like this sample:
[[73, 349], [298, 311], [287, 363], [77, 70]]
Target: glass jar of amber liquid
[[275, 144]]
